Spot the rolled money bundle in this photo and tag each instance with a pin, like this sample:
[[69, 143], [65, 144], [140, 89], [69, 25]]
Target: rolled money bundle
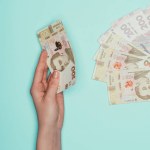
[[54, 40]]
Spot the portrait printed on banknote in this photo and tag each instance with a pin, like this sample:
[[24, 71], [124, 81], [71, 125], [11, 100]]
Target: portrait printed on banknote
[[142, 87], [60, 61]]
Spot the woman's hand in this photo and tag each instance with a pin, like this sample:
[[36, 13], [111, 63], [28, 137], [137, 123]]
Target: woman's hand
[[49, 106]]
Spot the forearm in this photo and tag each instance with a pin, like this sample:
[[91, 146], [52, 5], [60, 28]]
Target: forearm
[[49, 139]]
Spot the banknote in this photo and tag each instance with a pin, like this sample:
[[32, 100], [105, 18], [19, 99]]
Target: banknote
[[125, 55], [60, 55], [114, 88], [143, 40], [114, 41], [102, 64], [135, 28], [118, 62], [123, 59], [129, 86], [135, 21], [97, 53], [147, 14], [116, 53]]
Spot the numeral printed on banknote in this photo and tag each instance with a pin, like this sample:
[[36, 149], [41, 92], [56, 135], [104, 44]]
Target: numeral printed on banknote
[[123, 59]]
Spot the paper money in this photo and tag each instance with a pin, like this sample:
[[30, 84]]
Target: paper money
[[102, 64], [123, 58], [134, 28], [60, 56], [129, 86], [116, 53]]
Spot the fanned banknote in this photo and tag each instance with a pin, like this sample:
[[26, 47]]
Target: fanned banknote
[[129, 86], [60, 56], [123, 58]]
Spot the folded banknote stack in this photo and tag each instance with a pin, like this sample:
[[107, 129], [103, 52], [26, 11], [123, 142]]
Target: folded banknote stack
[[123, 58], [54, 40]]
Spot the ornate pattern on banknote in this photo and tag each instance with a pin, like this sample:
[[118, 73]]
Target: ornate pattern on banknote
[[123, 59]]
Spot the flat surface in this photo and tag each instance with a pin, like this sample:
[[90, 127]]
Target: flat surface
[[90, 122]]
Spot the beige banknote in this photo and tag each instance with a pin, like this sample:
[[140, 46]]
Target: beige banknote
[[102, 63], [129, 86], [98, 52], [121, 61], [60, 56], [117, 53], [116, 42], [114, 88], [124, 60], [134, 27]]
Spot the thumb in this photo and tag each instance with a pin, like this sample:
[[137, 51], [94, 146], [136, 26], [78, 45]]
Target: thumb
[[53, 84]]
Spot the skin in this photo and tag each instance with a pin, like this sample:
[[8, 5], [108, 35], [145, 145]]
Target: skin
[[49, 106]]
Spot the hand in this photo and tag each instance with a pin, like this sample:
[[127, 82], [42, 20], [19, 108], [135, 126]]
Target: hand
[[49, 106]]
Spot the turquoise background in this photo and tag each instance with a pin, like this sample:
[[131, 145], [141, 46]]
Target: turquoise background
[[90, 122]]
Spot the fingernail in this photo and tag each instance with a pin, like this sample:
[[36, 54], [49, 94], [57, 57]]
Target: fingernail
[[55, 74]]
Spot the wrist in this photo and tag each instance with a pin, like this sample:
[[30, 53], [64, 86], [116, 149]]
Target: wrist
[[49, 131], [50, 138]]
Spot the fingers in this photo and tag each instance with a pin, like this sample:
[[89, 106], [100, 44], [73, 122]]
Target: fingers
[[53, 85], [45, 73], [60, 95], [41, 68], [44, 79], [60, 101]]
